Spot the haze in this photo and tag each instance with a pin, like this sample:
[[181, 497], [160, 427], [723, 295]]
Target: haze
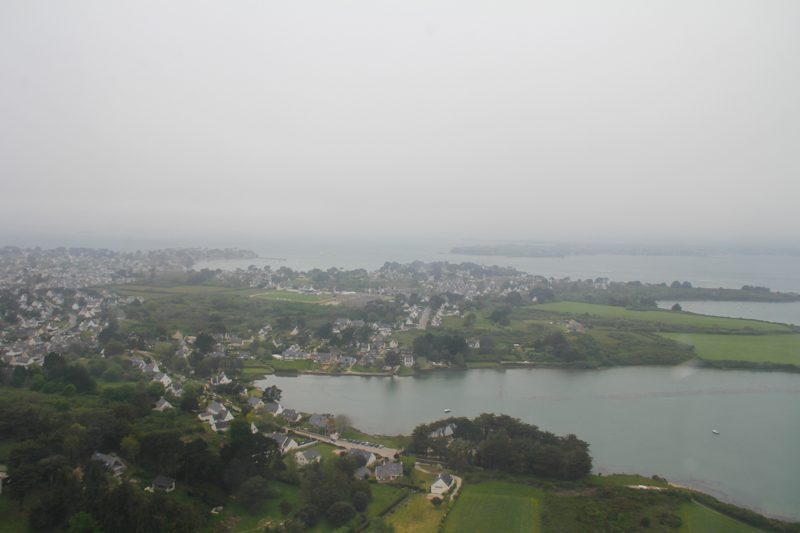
[[487, 120]]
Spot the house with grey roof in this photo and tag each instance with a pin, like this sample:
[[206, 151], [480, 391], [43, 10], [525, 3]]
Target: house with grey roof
[[442, 483], [112, 462], [285, 443], [274, 408], [163, 483], [291, 415], [389, 471], [369, 457], [362, 473], [307, 457], [162, 405], [318, 421], [255, 403]]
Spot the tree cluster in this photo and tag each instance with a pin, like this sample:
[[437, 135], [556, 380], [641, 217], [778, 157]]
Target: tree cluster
[[500, 442]]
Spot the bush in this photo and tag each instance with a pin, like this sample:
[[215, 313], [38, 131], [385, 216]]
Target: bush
[[285, 507], [340, 513], [360, 501], [436, 501]]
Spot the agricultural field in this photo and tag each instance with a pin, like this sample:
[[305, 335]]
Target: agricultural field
[[664, 317], [758, 348], [495, 506], [698, 519], [288, 296], [417, 515]]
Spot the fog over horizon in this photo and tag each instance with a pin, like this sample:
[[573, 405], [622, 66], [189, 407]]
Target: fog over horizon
[[211, 123]]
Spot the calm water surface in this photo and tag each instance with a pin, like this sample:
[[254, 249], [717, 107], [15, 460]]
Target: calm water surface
[[646, 420], [785, 313]]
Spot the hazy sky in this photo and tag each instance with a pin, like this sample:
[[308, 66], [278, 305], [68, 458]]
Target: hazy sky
[[519, 120]]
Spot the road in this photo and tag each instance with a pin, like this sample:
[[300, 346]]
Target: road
[[423, 321]]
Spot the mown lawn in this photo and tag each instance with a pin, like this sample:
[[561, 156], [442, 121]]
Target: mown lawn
[[292, 297], [495, 506], [294, 365], [417, 515], [758, 348], [697, 519], [664, 317], [350, 433]]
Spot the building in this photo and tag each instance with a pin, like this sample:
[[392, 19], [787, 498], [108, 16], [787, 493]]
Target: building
[[442, 483]]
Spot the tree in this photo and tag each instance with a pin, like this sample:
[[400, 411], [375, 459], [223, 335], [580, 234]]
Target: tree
[[271, 394], [253, 492], [686, 285], [113, 348], [675, 284], [130, 447], [436, 501], [360, 501], [677, 307], [285, 507], [340, 513], [83, 523], [342, 422], [204, 343]]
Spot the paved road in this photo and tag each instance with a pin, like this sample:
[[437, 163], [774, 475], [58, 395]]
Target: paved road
[[423, 321], [383, 452]]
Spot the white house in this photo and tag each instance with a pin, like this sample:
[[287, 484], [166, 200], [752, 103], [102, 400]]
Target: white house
[[284, 443], [442, 483], [162, 378], [162, 405], [356, 452], [307, 457]]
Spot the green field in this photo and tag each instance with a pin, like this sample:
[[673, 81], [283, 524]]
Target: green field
[[758, 348], [416, 515], [495, 506], [307, 364], [697, 519], [350, 433], [664, 317], [292, 297]]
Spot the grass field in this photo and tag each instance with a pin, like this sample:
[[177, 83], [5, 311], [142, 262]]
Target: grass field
[[761, 348], [11, 521], [350, 433], [664, 317], [292, 297], [294, 365], [495, 506], [416, 515], [697, 519]]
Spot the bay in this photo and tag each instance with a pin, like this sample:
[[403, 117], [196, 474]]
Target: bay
[[784, 312], [646, 420]]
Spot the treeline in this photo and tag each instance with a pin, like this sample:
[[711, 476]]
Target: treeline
[[52, 474], [500, 442]]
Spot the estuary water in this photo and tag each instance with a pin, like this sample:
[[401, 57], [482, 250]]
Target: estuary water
[[646, 420], [785, 313]]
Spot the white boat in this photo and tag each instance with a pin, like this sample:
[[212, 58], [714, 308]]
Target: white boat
[[715, 432], [447, 410]]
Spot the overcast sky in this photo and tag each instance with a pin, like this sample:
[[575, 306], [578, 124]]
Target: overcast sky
[[488, 120]]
